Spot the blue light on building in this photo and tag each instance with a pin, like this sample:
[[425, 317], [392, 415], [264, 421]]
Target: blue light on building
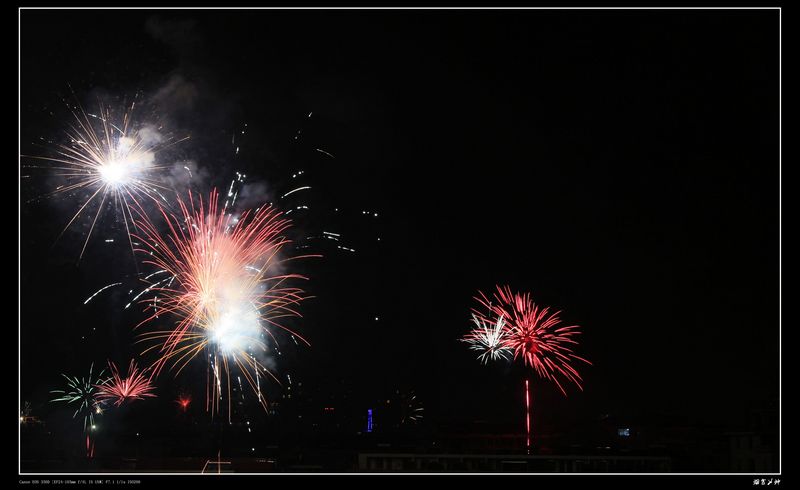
[[369, 420]]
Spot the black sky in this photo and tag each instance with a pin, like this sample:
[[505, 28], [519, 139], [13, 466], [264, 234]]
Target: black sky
[[621, 165]]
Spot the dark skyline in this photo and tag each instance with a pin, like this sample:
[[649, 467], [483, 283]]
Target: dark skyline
[[622, 166]]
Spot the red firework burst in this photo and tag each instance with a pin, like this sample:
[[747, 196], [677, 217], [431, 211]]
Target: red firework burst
[[534, 334], [183, 402], [119, 389]]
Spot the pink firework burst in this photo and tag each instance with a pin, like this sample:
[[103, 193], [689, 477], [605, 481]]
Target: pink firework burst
[[535, 334], [118, 389], [226, 287]]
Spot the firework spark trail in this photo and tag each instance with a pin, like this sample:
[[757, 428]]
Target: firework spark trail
[[488, 339], [110, 159], [147, 290], [118, 389], [534, 334], [305, 187], [258, 378], [154, 274], [119, 283], [100, 291], [225, 297], [324, 152], [527, 414]]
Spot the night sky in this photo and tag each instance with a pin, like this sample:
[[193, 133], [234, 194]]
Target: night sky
[[621, 165]]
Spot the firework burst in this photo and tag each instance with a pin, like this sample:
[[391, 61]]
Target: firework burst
[[534, 334], [82, 393], [108, 159], [489, 339], [118, 389], [411, 409], [183, 402], [224, 290]]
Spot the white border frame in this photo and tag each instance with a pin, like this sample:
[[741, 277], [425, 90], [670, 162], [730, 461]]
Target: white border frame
[[366, 473]]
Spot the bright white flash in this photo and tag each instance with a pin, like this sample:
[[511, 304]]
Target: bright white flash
[[125, 164], [114, 172], [236, 328]]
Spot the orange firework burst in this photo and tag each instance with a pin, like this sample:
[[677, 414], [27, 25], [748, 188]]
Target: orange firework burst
[[222, 287]]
